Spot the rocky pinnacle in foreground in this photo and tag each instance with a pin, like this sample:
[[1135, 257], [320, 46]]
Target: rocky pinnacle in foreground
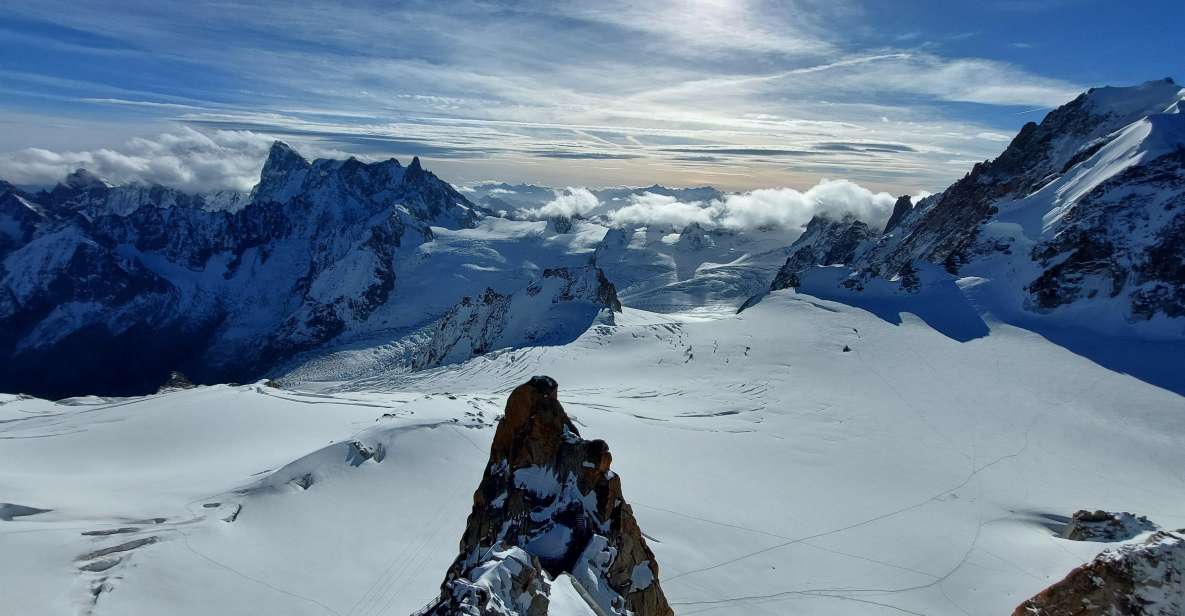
[[549, 505]]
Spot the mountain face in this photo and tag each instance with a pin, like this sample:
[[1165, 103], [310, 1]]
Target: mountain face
[[825, 242], [549, 505], [1082, 214], [1146, 579], [671, 269], [555, 309], [106, 289]]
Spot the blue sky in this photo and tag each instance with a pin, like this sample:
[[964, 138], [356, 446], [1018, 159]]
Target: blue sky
[[902, 96]]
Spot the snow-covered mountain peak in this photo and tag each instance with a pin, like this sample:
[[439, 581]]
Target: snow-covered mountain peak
[[282, 175], [1134, 102], [282, 156]]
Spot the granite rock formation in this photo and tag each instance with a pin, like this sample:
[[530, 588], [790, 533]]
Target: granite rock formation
[[549, 505], [1146, 579]]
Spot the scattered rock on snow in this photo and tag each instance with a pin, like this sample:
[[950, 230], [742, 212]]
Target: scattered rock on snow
[[1105, 526], [8, 511], [175, 382]]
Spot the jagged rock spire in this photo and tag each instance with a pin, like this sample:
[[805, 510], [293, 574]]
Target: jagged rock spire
[[549, 505], [900, 209]]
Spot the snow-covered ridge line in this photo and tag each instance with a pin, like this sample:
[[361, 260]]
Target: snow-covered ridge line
[[1080, 221]]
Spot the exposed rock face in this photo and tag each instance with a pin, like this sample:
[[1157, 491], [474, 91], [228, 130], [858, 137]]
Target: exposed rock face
[[1133, 580], [1085, 209], [549, 502], [1105, 526], [89, 270], [947, 231], [1124, 236], [825, 242], [902, 207], [176, 381], [554, 309]]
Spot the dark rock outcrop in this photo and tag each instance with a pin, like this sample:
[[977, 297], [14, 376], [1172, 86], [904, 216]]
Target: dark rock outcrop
[[825, 242], [175, 382], [1125, 235], [548, 505], [554, 309], [902, 207], [1105, 526], [1146, 579]]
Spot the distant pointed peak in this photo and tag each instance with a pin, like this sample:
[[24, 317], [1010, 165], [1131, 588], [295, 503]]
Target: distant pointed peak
[[903, 205], [82, 179], [281, 147], [415, 164], [282, 156]]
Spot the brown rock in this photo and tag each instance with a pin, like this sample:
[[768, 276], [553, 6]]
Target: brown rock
[[550, 493], [1146, 579]]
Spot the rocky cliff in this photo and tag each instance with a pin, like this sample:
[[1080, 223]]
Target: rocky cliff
[[554, 309], [1081, 217], [825, 242], [549, 505], [1146, 579], [107, 289]]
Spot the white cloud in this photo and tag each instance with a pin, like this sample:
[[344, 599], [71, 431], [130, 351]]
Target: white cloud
[[662, 210], [567, 203], [788, 208], [768, 208], [188, 159]]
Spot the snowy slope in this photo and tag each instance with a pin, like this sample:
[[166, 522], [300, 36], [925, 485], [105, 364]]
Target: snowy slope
[[1079, 223], [771, 471]]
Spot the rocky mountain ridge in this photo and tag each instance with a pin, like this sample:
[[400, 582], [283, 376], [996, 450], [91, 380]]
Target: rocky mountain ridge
[[217, 294], [1082, 214]]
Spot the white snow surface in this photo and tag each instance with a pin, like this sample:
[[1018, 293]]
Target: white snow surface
[[771, 471]]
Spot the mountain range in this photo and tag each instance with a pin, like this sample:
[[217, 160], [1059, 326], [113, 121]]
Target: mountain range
[[1080, 222], [948, 407]]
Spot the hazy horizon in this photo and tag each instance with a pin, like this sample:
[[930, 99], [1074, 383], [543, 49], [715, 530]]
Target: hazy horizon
[[733, 94]]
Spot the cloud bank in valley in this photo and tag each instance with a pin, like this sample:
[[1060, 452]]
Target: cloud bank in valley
[[568, 203], [767, 208]]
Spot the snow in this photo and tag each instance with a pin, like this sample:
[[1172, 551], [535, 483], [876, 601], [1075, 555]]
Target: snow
[[538, 480], [1133, 102], [771, 471], [566, 599], [641, 576], [827, 451]]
